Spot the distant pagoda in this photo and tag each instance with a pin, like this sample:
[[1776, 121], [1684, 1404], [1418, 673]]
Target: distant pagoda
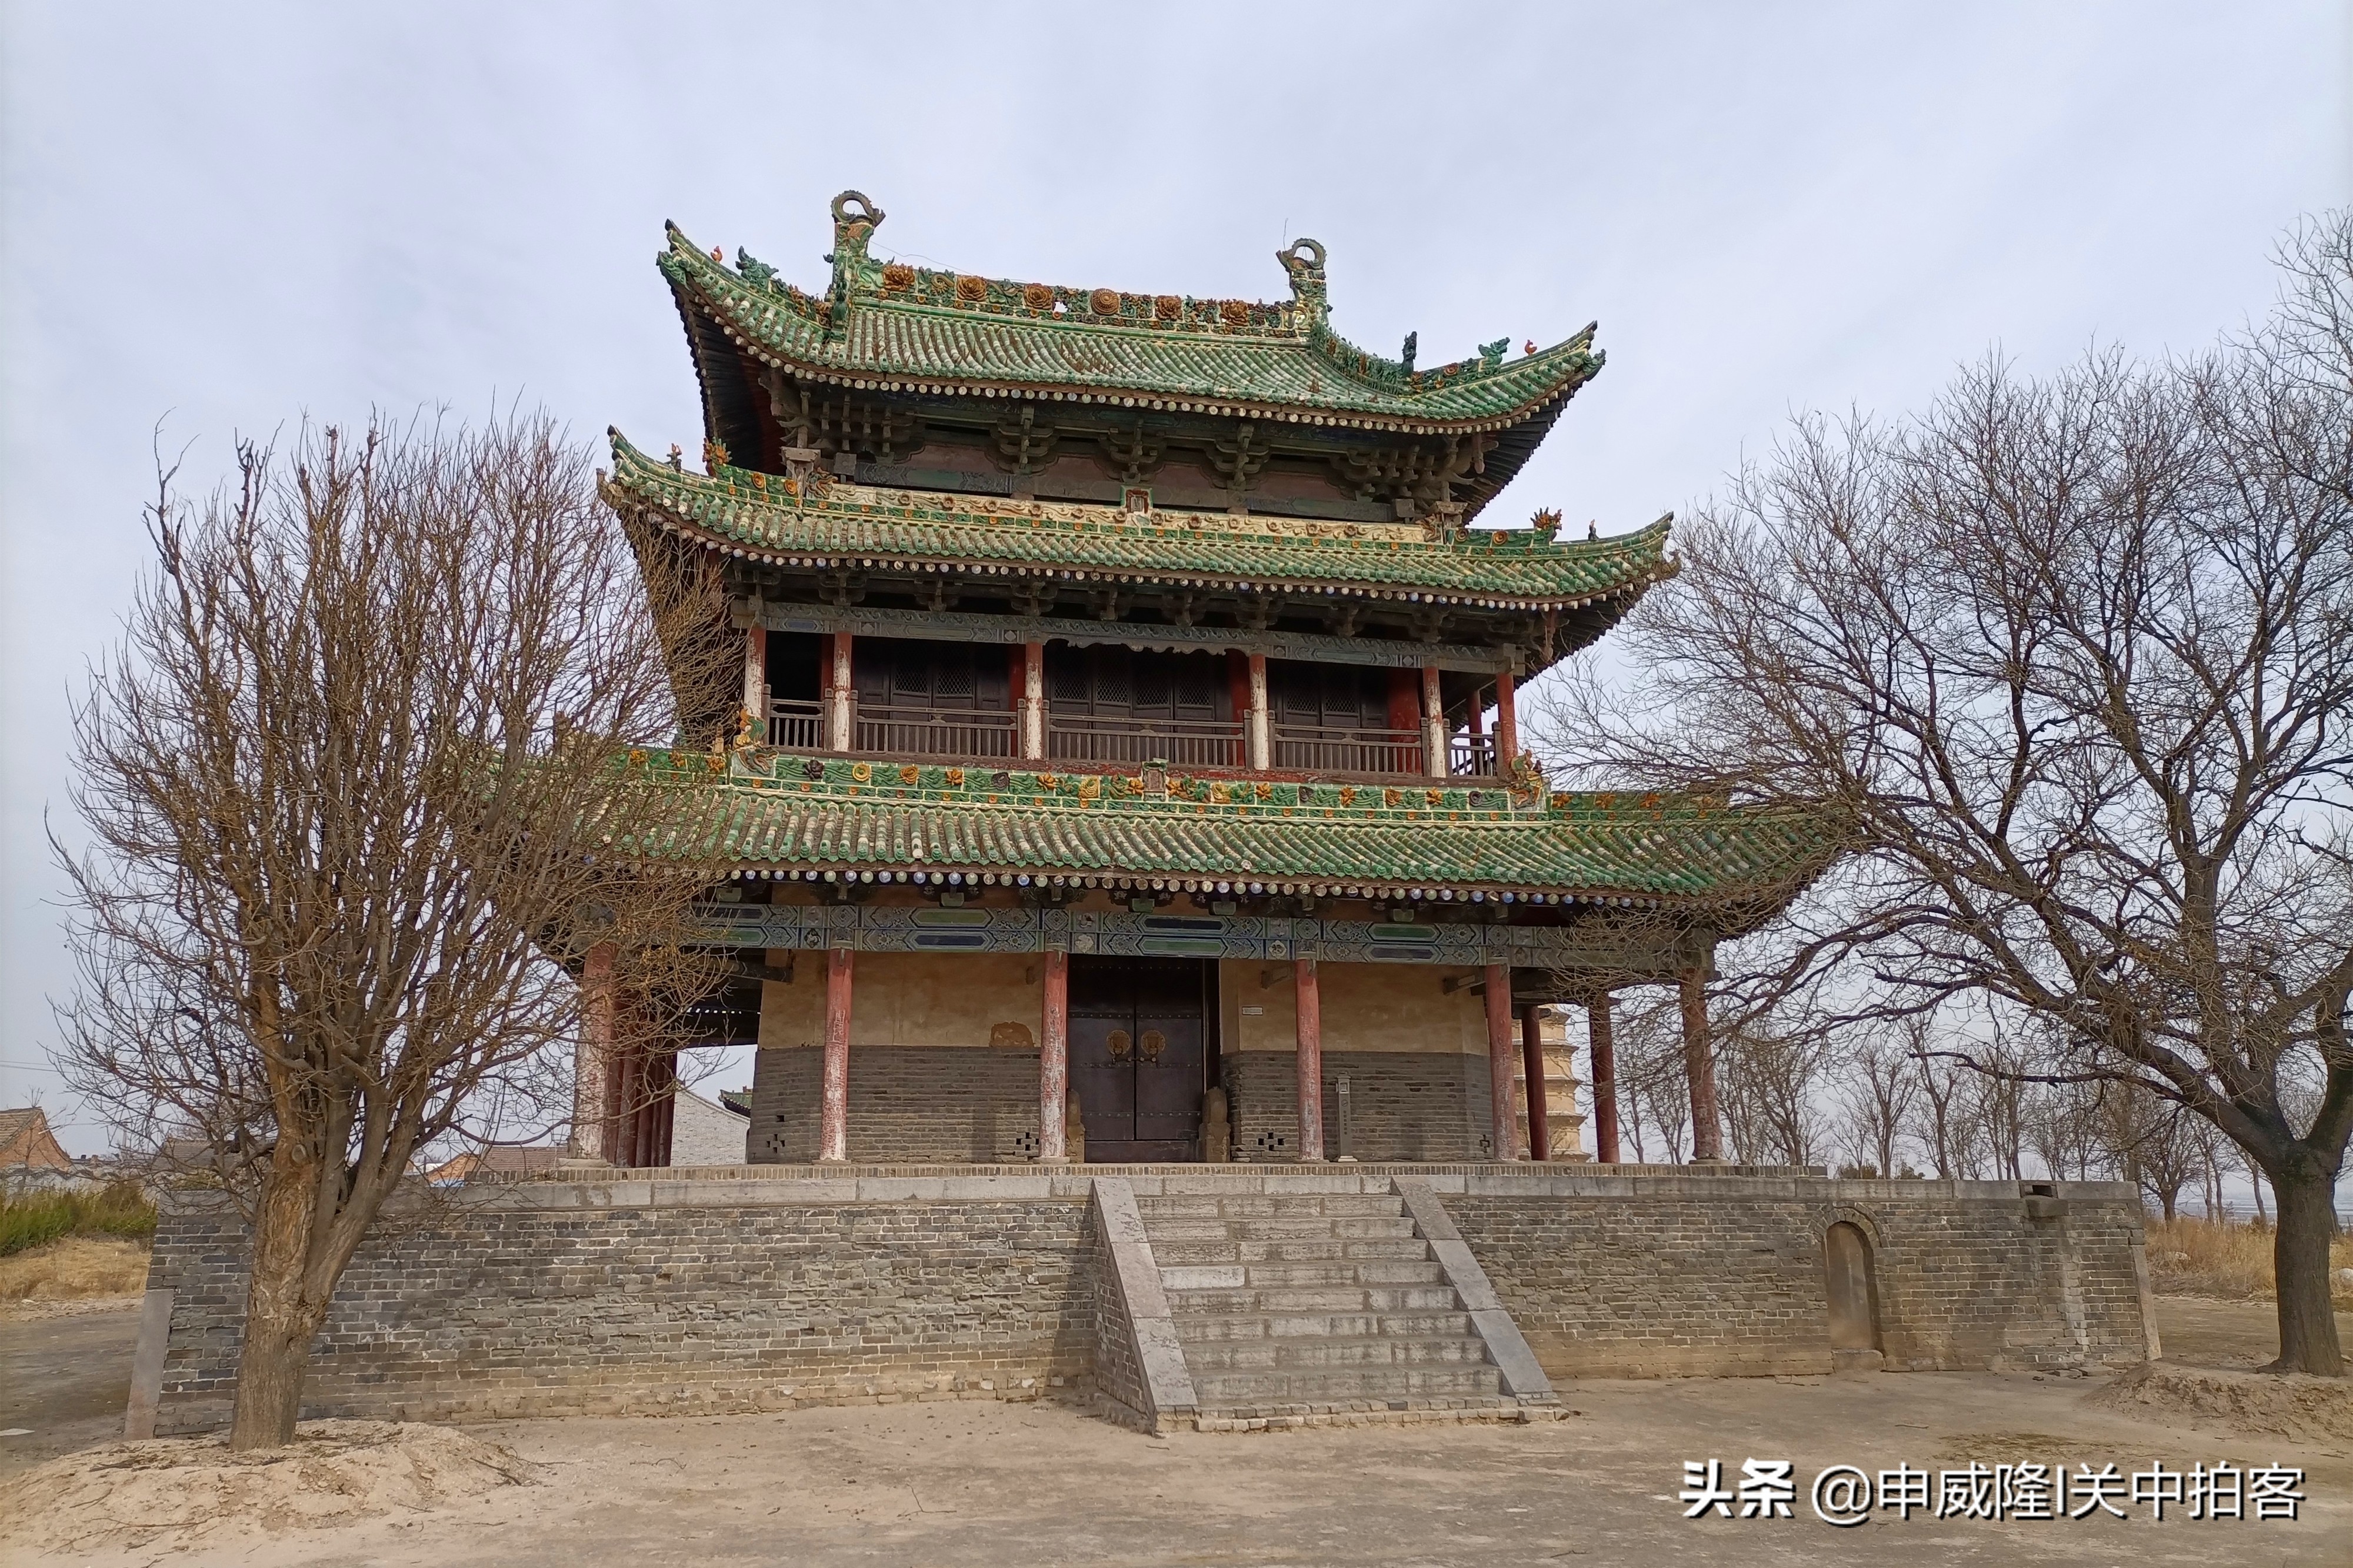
[[1109, 657]]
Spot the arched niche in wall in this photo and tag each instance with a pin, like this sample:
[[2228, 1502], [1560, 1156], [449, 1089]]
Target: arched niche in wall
[[1853, 1288]]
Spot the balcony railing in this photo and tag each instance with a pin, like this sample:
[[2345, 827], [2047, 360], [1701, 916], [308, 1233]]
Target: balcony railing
[[1081, 740], [1471, 757], [1186, 743], [796, 726], [1308, 748], [934, 733]]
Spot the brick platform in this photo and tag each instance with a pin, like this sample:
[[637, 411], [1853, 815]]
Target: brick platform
[[767, 1287]]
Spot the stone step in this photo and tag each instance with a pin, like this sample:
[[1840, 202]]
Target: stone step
[[1363, 1227], [1297, 1300], [1352, 1227], [1360, 1272], [1355, 1271], [1300, 1249], [1206, 1327], [1235, 1355], [1192, 1205], [1228, 1390]]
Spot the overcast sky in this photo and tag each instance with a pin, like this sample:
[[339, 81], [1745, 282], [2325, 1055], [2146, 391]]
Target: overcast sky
[[224, 216]]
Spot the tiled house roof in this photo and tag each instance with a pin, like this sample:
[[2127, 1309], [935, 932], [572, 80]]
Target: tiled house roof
[[891, 327], [817, 522], [26, 1141], [808, 816]]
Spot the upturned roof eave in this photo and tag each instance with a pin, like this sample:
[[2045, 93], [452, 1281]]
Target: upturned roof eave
[[1736, 867], [1629, 562], [818, 350]]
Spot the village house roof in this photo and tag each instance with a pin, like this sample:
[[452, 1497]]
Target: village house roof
[[26, 1141], [498, 1159], [807, 817], [888, 326], [825, 524]]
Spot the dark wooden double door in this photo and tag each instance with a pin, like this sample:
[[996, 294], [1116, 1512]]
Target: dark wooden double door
[[1139, 1055]]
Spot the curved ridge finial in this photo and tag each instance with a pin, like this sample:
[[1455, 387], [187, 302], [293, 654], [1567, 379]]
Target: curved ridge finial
[[854, 218], [1306, 275]]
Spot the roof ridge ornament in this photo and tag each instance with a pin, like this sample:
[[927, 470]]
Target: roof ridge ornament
[[854, 271], [1307, 277]]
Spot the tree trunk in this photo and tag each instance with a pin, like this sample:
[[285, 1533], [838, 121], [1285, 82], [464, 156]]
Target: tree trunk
[[2307, 1324], [279, 1324]]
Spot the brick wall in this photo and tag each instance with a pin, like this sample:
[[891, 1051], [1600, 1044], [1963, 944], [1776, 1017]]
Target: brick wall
[[542, 1299], [906, 1103], [1118, 1376], [1403, 1105], [1716, 1275], [745, 1288], [705, 1133]]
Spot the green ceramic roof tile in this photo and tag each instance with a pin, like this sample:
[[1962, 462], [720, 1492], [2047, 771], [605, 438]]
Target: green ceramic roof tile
[[804, 813], [763, 515], [910, 327]]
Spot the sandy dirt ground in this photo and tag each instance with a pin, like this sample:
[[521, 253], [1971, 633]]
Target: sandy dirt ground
[[64, 1376], [972, 1483]]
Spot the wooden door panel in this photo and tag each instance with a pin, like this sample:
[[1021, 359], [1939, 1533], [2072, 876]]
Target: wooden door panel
[[1139, 1060], [1102, 1074]]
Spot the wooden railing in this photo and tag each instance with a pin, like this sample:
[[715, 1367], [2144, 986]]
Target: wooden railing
[[796, 726], [1318, 749], [1471, 757], [1186, 743], [1074, 738], [934, 733]]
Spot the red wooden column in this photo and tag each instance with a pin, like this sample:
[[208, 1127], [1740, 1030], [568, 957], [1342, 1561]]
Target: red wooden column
[[840, 697], [1433, 723], [594, 1090], [1507, 724], [1054, 1060], [1258, 735], [1604, 1051], [755, 683], [1032, 702], [1500, 1050], [1311, 1059], [833, 1116], [1699, 1069], [1532, 1067]]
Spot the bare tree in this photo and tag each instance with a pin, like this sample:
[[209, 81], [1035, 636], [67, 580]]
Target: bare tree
[[1877, 1094], [2071, 660], [2063, 1128], [2152, 1143], [1948, 1120], [2000, 1111], [1770, 1073], [1651, 1094], [360, 798]]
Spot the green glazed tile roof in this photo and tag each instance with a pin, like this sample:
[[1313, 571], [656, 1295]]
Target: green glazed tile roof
[[763, 516], [915, 329], [804, 814]]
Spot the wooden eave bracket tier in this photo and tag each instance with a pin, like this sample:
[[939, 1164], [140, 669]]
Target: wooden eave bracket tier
[[828, 525], [885, 327], [835, 820]]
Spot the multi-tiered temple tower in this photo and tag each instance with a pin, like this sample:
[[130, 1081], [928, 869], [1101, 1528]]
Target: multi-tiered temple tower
[[1127, 731]]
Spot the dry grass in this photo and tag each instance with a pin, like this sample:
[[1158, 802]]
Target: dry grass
[[30, 1219], [76, 1267], [2233, 1262]]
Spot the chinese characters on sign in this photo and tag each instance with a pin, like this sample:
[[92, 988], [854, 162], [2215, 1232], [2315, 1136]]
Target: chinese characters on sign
[[1848, 1495]]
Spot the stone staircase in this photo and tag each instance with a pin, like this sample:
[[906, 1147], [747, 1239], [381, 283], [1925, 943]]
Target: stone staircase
[[1304, 1304]]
